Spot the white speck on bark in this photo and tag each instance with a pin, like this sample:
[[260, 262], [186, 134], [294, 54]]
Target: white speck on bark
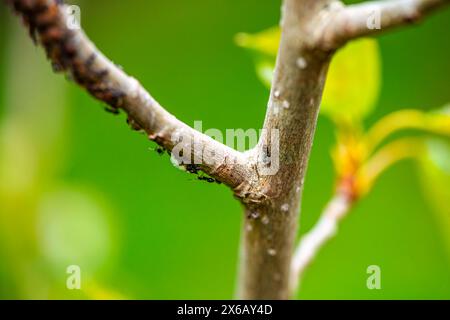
[[301, 63], [276, 110]]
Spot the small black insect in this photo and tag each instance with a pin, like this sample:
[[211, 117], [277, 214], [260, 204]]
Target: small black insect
[[160, 150], [112, 110], [133, 124], [193, 168], [101, 74], [57, 67], [90, 60], [208, 179]]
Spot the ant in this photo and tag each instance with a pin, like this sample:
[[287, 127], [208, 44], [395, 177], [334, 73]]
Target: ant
[[112, 110], [208, 179], [133, 124], [193, 168], [160, 150]]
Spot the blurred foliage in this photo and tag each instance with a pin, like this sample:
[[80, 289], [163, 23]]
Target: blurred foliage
[[42, 218], [353, 82], [154, 234], [345, 99], [435, 167]]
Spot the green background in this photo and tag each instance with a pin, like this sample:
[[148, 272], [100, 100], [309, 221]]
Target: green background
[[157, 232]]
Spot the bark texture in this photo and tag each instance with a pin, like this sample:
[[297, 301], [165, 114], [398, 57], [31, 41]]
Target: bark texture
[[271, 217]]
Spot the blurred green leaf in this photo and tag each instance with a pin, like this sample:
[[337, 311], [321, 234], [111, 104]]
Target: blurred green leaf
[[435, 172], [436, 122], [265, 42], [353, 80]]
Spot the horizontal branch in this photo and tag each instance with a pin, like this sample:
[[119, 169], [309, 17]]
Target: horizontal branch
[[71, 51], [349, 22]]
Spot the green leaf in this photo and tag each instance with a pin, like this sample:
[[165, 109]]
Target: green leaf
[[353, 82], [354, 76], [435, 174], [263, 43]]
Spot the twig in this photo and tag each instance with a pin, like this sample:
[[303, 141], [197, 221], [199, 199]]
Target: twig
[[71, 51], [314, 240], [339, 206], [344, 23]]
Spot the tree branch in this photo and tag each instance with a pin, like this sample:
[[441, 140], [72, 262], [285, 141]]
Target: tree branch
[[324, 229], [71, 51], [341, 203], [273, 201], [344, 23]]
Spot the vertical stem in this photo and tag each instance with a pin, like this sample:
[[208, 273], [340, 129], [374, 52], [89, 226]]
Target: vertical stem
[[268, 238], [271, 216], [325, 229]]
